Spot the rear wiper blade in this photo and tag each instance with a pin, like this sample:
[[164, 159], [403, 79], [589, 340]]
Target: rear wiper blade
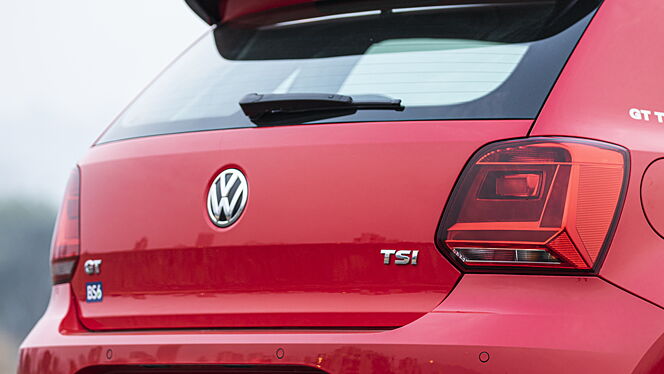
[[276, 109]]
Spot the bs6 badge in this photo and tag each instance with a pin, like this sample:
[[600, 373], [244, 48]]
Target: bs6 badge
[[93, 292]]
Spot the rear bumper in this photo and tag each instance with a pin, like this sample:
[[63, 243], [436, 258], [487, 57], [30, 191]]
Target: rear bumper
[[523, 323]]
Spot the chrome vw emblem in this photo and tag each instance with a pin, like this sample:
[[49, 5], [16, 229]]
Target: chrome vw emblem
[[227, 197]]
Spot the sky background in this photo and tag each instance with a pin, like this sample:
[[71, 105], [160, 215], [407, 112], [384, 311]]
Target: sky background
[[67, 68]]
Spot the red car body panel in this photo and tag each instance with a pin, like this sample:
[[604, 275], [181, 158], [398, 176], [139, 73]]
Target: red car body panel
[[435, 320], [651, 197], [148, 287], [525, 324], [615, 69], [234, 9]]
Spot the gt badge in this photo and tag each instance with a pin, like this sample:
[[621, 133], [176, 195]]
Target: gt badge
[[92, 267]]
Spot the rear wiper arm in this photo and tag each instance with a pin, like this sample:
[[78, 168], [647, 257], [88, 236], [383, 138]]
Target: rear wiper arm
[[275, 109]]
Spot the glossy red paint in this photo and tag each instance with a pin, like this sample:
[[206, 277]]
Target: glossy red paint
[[526, 324], [339, 319], [357, 179], [652, 197], [234, 8], [616, 68]]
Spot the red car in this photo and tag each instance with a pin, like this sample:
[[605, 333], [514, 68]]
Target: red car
[[375, 187]]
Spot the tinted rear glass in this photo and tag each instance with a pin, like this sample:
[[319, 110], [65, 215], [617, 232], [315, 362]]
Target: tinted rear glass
[[454, 61]]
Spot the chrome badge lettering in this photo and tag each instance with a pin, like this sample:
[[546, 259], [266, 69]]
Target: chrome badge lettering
[[646, 115], [401, 257], [92, 267]]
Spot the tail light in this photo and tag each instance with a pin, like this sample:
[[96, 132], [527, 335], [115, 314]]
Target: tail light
[[65, 247], [540, 204]]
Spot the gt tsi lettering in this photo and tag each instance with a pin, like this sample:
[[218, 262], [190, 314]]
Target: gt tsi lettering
[[646, 115], [402, 257]]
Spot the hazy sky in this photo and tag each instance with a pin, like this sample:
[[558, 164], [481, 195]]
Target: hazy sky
[[67, 68]]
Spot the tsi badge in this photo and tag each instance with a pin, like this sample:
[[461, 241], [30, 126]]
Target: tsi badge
[[402, 257], [93, 292]]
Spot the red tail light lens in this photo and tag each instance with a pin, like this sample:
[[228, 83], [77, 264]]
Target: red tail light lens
[[65, 247], [535, 204]]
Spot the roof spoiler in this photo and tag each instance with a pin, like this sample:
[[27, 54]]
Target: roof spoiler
[[208, 10]]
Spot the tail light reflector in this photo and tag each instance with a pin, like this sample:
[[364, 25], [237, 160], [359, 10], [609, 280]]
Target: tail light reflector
[[535, 204], [65, 247]]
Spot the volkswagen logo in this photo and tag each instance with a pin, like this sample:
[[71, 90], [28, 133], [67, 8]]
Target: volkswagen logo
[[227, 197]]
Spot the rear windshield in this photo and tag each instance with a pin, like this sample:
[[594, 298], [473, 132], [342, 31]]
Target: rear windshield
[[455, 61]]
